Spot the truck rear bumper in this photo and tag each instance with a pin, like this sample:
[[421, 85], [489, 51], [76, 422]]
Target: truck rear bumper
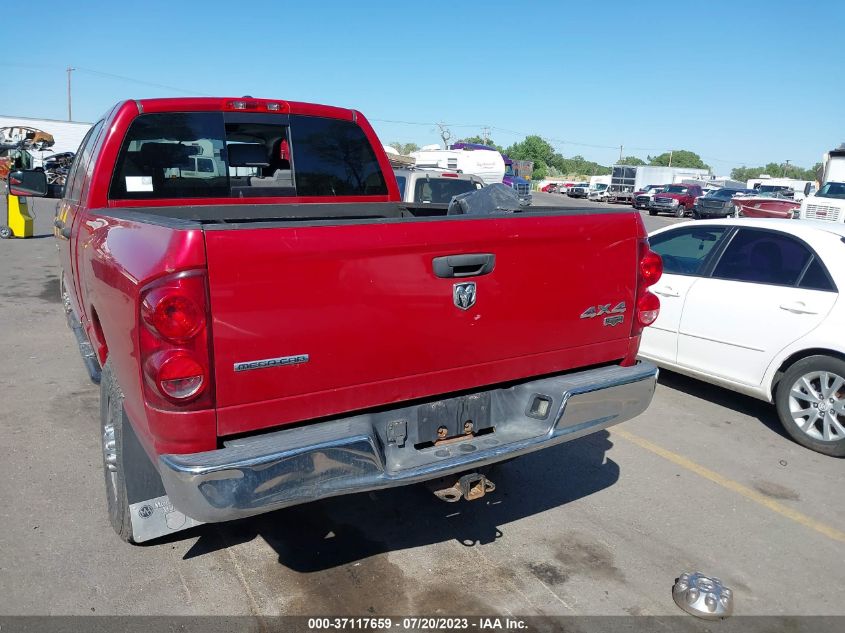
[[383, 449]]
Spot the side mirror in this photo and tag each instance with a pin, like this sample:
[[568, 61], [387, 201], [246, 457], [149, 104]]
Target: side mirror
[[808, 188], [28, 183]]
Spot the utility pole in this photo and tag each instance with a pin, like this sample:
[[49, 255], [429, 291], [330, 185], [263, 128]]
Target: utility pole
[[485, 134], [620, 153], [70, 69], [671, 151], [445, 134], [785, 168]]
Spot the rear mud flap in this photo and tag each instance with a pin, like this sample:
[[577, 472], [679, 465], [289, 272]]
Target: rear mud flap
[[150, 511], [153, 518]]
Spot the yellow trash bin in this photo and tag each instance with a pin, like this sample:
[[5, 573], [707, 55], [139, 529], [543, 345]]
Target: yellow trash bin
[[19, 220]]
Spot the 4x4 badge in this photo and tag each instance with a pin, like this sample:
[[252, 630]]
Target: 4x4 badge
[[599, 310], [464, 295]]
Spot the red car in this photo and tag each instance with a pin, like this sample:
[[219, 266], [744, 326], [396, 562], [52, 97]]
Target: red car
[[270, 325], [550, 188]]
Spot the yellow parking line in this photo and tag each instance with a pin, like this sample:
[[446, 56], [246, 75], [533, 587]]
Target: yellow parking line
[[745, 491]]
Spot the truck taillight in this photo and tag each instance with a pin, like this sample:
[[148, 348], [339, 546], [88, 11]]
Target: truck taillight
[[648, 308], [651, 266], [649, 270], [174, 342]]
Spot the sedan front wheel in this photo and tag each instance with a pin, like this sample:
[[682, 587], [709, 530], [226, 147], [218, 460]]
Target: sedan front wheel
[[810, 399]]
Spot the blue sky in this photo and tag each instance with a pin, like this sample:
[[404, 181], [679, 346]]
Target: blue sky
[[742, 82]]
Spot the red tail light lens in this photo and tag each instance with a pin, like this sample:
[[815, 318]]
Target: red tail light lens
[[651, 267], [174, 343], [174, 316], [649, 270], [648, 308]]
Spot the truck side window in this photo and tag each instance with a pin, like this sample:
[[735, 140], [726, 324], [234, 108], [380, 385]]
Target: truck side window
[[76, 174], [334, 158]]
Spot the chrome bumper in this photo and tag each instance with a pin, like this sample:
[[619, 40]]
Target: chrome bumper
[[371, 451]]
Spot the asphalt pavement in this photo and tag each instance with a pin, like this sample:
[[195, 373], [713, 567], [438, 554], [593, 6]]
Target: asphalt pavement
[[705, 479]]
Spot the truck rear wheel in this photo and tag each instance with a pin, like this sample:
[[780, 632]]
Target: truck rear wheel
[[111, 428]]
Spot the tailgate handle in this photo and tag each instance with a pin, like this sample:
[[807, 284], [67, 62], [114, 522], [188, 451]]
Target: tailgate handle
[[469, 265]]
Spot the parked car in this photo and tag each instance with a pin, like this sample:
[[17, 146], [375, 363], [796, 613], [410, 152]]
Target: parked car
[[642, 199], [752, 305], [716, 204], [578, 190], [581, 190], [675, 199], [288, 331], [550, 188]]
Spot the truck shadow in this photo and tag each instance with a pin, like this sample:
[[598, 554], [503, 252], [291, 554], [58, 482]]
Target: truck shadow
[[765, 412], [341, 530]]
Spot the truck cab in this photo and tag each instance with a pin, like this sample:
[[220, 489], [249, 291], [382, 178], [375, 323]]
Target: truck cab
[[828, 203]]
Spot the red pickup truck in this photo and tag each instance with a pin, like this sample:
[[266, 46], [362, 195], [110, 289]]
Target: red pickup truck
[[270, 325], [675, 199]]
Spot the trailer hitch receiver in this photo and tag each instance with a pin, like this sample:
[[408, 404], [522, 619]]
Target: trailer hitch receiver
[[471, 486]]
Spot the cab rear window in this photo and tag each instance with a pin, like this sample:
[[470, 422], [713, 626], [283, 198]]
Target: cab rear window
[[244, 155]]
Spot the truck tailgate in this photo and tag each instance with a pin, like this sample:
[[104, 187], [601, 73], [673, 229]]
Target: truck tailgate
[[311, 321]]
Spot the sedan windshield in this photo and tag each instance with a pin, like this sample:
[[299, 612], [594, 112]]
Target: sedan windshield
[[832, 190]]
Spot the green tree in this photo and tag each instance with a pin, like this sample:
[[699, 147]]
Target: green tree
[[405, 148], [532, 148], [541, 170], [679, 158], [631, 160], [776, 170]]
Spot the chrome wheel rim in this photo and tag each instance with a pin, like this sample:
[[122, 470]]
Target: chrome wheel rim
[[110, 458], [817, 405]]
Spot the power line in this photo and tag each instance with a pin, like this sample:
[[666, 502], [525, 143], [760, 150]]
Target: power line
[[100, 73], [141, 81]]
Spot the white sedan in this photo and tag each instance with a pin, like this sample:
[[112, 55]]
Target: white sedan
[[753, 305]]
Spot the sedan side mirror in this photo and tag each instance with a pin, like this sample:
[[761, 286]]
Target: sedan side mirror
[[28, 182]]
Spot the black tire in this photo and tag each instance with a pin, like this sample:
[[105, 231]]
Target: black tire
[[111, 433], [5, 232], [652, 212], [681, 211], [695, 215], [785, 401]]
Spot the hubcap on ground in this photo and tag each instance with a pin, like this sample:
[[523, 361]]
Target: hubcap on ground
[[817, 405]]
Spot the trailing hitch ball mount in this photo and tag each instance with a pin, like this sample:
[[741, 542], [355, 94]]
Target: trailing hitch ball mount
[[471, 486]]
